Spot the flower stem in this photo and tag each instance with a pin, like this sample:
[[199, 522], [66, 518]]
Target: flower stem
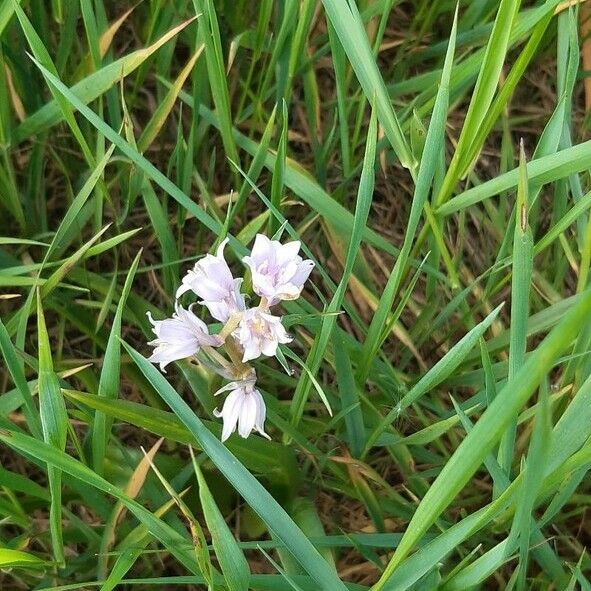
[[235, 355]]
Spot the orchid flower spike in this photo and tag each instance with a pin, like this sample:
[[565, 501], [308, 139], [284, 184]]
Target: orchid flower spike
[[260, 333], [179, 337], [212, 281], [278, 272], [244, 409]]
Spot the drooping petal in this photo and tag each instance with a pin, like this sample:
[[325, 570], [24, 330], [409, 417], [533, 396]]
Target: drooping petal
[[248, 415], [164, 354], [230, 412], [192, 321], [227, 388], [208, 279], [269, 348], [243, 410], [263, 284], [251, 351], [261, 413], [304, 268]]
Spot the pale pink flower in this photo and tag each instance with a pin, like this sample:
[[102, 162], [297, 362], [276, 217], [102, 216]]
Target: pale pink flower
[[212, 281], [278, 272], [179, 337], [244, 409], [259, 332]]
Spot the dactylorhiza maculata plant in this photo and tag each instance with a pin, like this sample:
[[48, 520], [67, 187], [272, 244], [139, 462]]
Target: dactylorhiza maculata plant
[[278, 273]]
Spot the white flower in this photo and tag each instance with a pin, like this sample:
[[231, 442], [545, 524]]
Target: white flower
[[179, 337], [278, 272], [243, 408], [260, 332], [212, 281]]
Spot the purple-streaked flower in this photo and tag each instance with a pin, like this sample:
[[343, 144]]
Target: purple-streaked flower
[[212, 281], [243, 410], [278, 272], [259, 332], [179, 337]]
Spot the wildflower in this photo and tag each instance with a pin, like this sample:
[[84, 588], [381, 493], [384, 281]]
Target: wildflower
[[179, 337], [244, 408], [278, 272], [260, 332], [212, 281]]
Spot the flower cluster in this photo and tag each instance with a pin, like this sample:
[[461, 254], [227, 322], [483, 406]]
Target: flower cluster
[[278, 273]]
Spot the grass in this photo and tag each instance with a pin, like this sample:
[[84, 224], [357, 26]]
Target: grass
[[435, 432]]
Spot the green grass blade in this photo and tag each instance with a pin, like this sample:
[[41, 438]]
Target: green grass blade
[[486, 432], [56, 277], [109, 380], [91, 87], [520, 288], [250, 489], [486, 85], [158, 119], [6, 12], [168, 247], [346, 20], [426, 172], [217, 73], [437, 374], [540, 172], [18, 377], [349, 396], [272, 460], [10, 558], [364, 200], [277, 183], [40, 52], [72, 215], [230, 556], [159, 178], [177, 544], [534, 472], [54, 421]]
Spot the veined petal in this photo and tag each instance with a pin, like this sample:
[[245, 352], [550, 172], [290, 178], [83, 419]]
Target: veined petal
[[261, 249], [179, 337], [260, 333], [287, 252], [230, 413], [261, 412], [278, 272], [248, 415], [212, 281], [243, 410]]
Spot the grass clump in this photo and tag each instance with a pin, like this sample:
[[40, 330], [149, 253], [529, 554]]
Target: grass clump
[[430, 422]]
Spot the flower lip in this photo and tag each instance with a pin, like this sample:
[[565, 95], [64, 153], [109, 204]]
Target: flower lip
[[260, 333]]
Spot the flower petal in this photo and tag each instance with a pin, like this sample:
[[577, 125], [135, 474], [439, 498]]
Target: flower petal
[[248, 415], [179, 337]]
